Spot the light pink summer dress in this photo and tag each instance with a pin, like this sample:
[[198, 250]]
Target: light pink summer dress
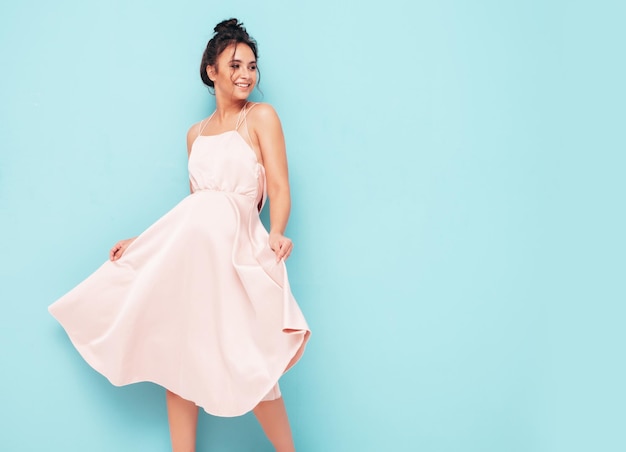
[[197, 303]]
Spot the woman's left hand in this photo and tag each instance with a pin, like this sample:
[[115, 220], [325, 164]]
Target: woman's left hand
[[281, 245]]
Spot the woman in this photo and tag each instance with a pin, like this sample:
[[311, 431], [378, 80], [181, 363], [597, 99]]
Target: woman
[[200, 303]]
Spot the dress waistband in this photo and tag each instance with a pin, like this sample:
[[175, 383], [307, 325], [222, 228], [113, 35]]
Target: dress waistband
[[216, 190]]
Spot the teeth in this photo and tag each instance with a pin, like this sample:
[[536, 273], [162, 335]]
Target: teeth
[[242, 85]]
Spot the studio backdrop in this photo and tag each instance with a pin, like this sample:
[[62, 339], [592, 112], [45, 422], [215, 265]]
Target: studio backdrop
[[457, 175]]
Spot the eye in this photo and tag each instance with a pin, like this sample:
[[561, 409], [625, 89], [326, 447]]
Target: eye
[[253, 68], [234, 66]]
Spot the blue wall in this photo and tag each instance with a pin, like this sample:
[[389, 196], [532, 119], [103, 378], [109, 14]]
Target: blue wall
[[458, 183]]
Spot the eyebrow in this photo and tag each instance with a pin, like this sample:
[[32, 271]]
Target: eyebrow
[[239, 61]]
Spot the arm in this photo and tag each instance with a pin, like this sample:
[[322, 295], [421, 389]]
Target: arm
[[269, 134]]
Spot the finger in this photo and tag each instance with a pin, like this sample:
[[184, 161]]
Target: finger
[[279, 251], [286, 246], [120, 251], [117, 251], [285, 249]]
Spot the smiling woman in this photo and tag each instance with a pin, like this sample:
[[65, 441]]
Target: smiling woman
[[200, 302], [224, 50]]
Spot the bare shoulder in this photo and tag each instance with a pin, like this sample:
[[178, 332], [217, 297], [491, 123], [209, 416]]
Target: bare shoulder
[[194, 130], [263, 115], [192, 133]]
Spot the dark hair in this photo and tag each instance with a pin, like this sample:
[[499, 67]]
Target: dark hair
[[227, 32]]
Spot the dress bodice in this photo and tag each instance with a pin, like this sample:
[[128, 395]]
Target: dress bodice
[[226, 162]]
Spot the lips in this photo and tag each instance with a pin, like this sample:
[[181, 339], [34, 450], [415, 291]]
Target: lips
[[243, 85]]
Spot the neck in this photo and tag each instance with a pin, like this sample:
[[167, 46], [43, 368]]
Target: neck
[[228, 107]]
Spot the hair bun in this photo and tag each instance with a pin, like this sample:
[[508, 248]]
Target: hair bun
[[229, 25]]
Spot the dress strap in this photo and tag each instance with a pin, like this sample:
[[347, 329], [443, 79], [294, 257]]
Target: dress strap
[[201, 126], [242, 119]]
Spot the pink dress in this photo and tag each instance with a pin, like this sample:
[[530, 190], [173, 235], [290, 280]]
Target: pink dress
[[197, 303]]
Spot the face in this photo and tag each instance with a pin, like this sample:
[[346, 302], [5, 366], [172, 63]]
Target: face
[[235, 72]]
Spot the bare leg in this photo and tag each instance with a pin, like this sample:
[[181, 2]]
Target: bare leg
[[272, 416], [183, 417]]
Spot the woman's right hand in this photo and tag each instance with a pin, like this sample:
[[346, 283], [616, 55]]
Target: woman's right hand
[[119, 248]]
